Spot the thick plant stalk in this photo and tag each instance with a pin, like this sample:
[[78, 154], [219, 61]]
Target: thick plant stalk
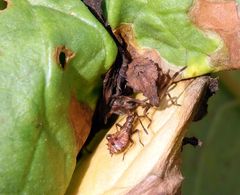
[[154, 168]]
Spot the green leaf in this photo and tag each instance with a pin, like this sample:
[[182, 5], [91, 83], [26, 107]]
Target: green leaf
[[37, 141], [167, 27], [213, 169]]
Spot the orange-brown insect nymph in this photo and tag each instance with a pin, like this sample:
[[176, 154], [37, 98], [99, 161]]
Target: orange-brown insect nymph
[[118, 142]]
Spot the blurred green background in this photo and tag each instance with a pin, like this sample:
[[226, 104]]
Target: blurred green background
[[215, 167]]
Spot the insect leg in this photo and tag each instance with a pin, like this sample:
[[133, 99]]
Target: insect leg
[[145, 115], [131, 144], [145, 130], [118, 125], [139, 138], [173, 100], [172, 86]]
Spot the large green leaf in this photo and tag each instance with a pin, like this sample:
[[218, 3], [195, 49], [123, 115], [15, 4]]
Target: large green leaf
[[214, 168], [167, 27], [37, 143]]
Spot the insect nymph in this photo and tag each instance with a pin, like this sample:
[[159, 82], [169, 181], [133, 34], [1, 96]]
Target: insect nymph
[[118, 142]]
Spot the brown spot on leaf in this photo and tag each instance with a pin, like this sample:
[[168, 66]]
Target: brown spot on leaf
[[217, 15], [81, 119], [63, 55], [3, 4], [223, 18]]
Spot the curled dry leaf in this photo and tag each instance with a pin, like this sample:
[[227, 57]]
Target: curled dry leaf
[[152, 169]]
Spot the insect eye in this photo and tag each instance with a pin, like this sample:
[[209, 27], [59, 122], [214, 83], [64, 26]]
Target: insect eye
[[108, 137]]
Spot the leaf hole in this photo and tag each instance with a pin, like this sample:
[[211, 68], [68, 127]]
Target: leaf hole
[[63, 55], [3, 4], [62, 59]]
